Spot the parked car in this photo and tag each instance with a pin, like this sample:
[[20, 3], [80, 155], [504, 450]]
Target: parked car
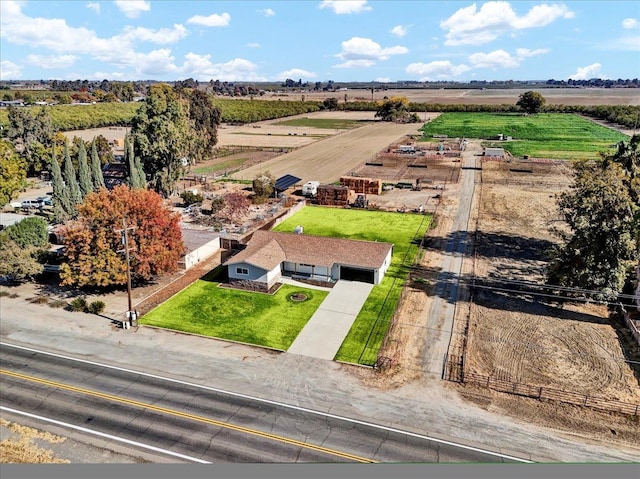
[[46, 200], [32, 204]]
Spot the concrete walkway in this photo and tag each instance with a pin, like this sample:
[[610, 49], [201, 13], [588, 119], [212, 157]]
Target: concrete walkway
[[324, 333]]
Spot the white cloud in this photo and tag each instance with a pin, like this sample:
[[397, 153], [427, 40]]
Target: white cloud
[[94, 6], [470, 26], [51, 61], [342, 7], [213, 20], [358, 48], [399, 31], [501, 59], [296, 73], [162, 36], [587, 73], [55, 35], [267, 12], [629, 23], [493, 60], [156, 62], [525, 52], [104, 75], [9, 70], [383, 80], [133, 8], [437, 70], [355, 64], [238, 69], [253, 45]]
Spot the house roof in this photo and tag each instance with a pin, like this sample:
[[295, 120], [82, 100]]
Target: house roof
[[194, 239], [267, 249]]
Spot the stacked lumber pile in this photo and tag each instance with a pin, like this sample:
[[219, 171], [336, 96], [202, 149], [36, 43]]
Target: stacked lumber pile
[[367, 186], [332, 195]]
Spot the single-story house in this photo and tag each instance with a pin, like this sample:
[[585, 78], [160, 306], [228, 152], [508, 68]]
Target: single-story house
[[271, 254], [199, 245]]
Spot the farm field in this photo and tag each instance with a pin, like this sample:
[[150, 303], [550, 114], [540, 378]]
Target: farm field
[[205, 308], [365, 337], [573, 347], [327, 159], [544, 135], [451, 96]]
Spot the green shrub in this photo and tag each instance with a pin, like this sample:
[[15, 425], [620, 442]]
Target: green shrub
[[29, 232], [189, 198], [78, 304], [96, 307]]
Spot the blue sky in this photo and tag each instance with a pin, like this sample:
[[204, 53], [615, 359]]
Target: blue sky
[[319, 40]]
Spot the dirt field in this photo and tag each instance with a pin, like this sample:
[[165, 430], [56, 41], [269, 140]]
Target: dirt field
[[554, 96], [341, 154]]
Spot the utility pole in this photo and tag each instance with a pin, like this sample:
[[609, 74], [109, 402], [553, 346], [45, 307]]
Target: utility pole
[[126, 249]]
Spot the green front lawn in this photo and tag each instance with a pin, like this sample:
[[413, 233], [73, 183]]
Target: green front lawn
[[544, 135], [204, 308], [365, 337]]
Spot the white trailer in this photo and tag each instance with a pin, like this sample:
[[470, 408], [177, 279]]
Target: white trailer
[[310, 188]]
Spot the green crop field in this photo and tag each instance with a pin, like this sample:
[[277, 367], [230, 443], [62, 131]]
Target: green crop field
[[545, 135], [255, 318], [365, 337]]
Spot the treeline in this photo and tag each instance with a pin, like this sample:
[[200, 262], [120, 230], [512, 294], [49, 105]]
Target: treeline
[[78, 117], [249, 111]]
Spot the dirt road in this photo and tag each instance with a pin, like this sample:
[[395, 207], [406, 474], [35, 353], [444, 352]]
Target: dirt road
[[458, 244]]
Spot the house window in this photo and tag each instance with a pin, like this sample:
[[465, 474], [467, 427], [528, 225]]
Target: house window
[[244, 271]]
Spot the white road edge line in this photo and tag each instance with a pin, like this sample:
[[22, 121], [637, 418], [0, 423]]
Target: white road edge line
[[102, 434], [275, 403]]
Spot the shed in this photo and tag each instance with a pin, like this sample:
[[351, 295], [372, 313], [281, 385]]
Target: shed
[[493, 152], [199, 245], [285, 182]]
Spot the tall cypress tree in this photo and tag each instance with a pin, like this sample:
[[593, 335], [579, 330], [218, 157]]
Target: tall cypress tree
[[142, 177], [96, 170], [70, 180], [61, 202], [84, 177], [136, 175]]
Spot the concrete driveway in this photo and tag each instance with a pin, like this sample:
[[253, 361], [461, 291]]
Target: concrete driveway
[[324, 333]]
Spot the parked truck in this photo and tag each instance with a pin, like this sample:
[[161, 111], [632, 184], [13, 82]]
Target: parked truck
[[310, 188]]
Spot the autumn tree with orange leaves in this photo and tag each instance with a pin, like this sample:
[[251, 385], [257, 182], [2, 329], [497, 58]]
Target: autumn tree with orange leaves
[[93, 240]]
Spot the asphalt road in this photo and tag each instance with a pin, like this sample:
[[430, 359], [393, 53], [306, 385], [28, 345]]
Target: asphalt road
[[202, 424]]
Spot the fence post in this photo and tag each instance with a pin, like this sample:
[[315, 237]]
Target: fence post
[[586, 398], [488, 379], [540, 393]]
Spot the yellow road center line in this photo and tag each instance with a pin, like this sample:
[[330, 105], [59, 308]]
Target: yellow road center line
[[194, 417]]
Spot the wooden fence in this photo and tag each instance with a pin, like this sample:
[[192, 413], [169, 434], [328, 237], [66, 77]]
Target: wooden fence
[[454, 371]]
